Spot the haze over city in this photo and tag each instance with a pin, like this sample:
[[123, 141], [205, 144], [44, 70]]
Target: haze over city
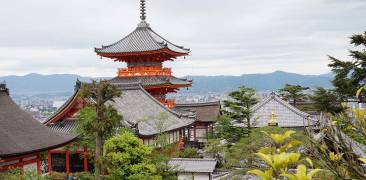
[[233, 37]]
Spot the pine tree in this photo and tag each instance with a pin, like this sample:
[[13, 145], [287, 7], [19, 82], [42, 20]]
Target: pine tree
[[239, 108], [293, 93], [99, 120], [349, 74]]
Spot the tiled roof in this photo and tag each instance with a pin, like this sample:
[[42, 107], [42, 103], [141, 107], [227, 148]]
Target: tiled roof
[[286, 114], [64, 126], [138, 107], [152, 80], [21, 134], [142, 39], [193, 165], [205, 112]]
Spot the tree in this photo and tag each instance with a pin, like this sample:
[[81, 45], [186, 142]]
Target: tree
[[349, 74], [293, 93], [98, 120], [126, 157], [239, 107], [326, 101]]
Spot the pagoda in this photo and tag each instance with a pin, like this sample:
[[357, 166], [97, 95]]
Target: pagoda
[[145, 51]]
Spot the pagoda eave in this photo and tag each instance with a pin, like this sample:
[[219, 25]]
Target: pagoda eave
[[167, 86], [164, 54]]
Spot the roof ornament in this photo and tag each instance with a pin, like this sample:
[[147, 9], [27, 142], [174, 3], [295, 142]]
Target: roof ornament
[[143, 23], [142, 10]]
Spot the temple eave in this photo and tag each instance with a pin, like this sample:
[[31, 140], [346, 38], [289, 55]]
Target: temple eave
[[125, 56]]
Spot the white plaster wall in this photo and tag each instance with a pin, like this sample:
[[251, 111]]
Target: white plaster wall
[[193, 176]]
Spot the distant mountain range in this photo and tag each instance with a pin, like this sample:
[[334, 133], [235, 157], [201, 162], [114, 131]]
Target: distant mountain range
[[64, 83]]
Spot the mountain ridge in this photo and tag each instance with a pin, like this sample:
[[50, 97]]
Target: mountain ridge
[[34, 83]]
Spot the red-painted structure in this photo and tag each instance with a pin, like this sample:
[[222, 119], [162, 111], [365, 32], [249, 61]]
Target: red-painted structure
[[145, 51]]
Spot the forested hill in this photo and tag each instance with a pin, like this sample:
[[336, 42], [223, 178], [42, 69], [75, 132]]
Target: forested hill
[[64, 83], [261, 82]]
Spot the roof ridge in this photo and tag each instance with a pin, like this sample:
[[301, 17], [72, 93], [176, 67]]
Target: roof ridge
[[210, 103], [162, 105]]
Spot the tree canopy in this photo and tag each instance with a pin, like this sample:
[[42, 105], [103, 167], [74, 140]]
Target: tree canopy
[[293, 93], [126, 157]]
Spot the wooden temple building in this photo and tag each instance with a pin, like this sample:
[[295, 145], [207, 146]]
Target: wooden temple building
[[144, 84], [22, 138]]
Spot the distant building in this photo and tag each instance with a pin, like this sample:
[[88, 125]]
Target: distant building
[[273, 108], [22, 138], [206, 115], [193, 169]]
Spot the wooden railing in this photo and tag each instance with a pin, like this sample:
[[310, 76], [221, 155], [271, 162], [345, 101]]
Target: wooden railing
[[144, 71]]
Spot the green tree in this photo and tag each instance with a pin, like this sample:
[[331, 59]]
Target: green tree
[[239, 108], [349, 74], [293, 93], [98, 120], [126, 157], [326, 101]]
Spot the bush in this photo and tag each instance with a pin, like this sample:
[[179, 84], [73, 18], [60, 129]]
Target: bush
[[189, 153]]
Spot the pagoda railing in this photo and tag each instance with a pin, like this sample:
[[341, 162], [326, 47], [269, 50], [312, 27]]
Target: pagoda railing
[[144, 71]]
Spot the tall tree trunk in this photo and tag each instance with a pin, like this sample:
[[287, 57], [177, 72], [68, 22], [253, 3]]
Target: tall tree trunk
[[98, 152], [98, 137]]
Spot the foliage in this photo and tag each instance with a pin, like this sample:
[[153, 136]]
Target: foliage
[[160, 157], [278, 159], [242, 153], [338, 151], [99, 120], [188, 153], [348, 74], [239, 107], [15, 174], [227, 131], [125, 156], [327, 101], [83, 176], [293, 93]]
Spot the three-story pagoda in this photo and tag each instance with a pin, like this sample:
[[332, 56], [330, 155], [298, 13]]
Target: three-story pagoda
[[145, 51]]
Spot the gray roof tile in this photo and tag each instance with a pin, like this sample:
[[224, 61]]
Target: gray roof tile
[[142, 39], [193, 165], [21, 134]]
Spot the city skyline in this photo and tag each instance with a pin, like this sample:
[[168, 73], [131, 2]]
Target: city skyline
[[226, 38]]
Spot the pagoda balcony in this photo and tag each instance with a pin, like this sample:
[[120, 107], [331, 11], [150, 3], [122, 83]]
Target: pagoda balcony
[[144, 71], [169, 103]]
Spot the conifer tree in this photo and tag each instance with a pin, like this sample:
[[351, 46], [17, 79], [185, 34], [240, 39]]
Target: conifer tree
[[99, 120], [293, 93], [239, 108], [349, 74]]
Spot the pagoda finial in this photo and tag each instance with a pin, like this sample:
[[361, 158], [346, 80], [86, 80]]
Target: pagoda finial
[[142, 10]]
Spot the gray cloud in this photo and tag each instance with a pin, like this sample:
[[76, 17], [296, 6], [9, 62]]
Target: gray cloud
[[226, 37]]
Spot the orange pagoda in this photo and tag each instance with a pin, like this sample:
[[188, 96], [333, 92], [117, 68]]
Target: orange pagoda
[[145, 51]]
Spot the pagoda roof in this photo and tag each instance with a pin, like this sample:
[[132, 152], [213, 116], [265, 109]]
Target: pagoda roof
[[138, 108], [152, 80], [142, 40], [21, 134], [204, 111]]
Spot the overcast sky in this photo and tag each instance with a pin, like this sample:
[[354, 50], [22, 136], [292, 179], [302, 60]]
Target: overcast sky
[[226, 37]]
